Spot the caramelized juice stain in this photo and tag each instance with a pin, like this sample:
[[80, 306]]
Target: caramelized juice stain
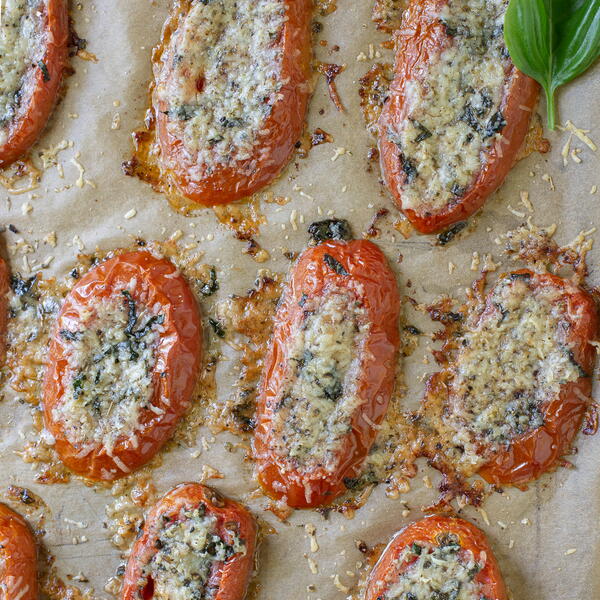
[[373, 91], [248, 322]]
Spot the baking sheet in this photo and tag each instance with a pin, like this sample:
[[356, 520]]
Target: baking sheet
[[533, 532]]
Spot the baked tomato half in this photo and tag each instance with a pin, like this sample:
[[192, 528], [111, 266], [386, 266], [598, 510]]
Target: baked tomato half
[[232, 83], [122, 364], [329, 372], [33, 55], [521, 382], [437, 557], [4, 287], [457, 113], [18, 557], [194, 544]]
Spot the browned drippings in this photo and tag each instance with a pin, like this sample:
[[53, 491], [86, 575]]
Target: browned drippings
[[326, 7], [310, 140], [387, 14], [248, 323], [372, 230], [244, 218], [22, 170], [534, 140], [373, 91], [331, 71]]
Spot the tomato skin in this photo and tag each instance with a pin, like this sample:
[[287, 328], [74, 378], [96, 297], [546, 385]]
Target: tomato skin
[[273, 149], [178, 355], [18, 564], [386, 571], [540, 450], [234, 577], [367, 267], [4, 288], [41, 95], [417, 44]]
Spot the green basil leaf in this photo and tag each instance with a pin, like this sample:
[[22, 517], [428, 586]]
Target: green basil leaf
[[553, 41]]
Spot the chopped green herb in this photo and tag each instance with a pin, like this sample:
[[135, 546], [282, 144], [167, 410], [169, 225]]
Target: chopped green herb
[[217, 327], [330, 229], [335, 265], [44, 69]]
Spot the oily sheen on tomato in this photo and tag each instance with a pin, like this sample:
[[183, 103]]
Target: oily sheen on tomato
[[18, 557], [193, 538], [435, 555], [329, 372], [539, 450], [230, 96], [33, 56], [122, 365], [457, 112]]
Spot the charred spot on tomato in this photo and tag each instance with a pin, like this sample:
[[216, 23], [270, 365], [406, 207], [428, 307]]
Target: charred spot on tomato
[[447, 236], [330, 229], [335, 265]]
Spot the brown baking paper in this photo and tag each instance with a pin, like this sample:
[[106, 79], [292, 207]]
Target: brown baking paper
[[546, 539]]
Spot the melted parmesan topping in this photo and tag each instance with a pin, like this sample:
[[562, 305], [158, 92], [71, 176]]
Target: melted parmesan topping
[[316, 406], [188, 550], [20, 47], [226, 63], [111, 360], [444, 572], [511, 362], [455, 106]]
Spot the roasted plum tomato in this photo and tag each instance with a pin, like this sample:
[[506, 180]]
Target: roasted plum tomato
[[194, 544], [4, 287], [18, 557], [437, 557], [122, 364], [232, 88], [457, 113], [329, 372], [522, 380], [33, 54]]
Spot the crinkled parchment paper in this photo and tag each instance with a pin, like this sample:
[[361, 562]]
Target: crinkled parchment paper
[[546, 538]]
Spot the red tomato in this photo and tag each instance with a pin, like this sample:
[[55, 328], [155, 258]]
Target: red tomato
[[418, 44], [540, 450], [281, 130], [4, 287], [41, 86], [431, 530], [360, 269], [18, 557], [229, 579], [152, 282]]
